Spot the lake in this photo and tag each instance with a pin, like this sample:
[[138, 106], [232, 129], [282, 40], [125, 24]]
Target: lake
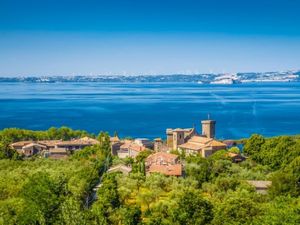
[[147, 109]]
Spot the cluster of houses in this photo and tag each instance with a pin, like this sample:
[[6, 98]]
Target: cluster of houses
[[186, 141], [55, 149]]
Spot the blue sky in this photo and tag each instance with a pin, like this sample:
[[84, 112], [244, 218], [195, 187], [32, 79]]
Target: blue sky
[[69, 37]]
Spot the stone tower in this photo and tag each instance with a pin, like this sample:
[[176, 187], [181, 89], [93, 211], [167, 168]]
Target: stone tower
[[178, 138], [158, 144], [169, 133], [208, 128]]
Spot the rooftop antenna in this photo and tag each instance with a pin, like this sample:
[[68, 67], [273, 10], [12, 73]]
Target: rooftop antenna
[[208, 116]]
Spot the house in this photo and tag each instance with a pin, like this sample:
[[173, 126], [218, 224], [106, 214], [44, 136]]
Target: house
[[202, 146], [130, 149], [235, 157], [144, 142], [159, 145], [32, 149], [261, 186], [165, 163], [178, 136], [120, 168], [29, 148], [76, 144], [20, 144]]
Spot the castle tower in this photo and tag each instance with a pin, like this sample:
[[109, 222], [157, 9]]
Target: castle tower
[[208, 128], [158, 144], [169, 133], [178, 138]]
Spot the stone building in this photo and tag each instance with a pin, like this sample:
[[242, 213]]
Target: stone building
[[202, 146], [165, 163], [190, 142], [130, 149], [178, 136], [48, 147]]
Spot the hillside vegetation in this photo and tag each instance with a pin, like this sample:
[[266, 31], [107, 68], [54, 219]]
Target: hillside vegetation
[[213, 190]]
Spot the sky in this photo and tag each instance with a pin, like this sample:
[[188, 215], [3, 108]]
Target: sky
[[89, 37]]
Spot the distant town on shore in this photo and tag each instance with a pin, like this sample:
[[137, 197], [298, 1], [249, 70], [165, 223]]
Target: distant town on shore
[[209, 78]]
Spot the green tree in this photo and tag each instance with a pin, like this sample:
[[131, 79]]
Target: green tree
[[237, 208], [287, 180], [45, 193], [198, 168], [127, 215], [253, 145], [282, 210], [19, 211], [192, 209], [6, 152], [72, 213]]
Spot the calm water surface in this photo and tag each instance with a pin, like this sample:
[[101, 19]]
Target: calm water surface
[[146, 110]]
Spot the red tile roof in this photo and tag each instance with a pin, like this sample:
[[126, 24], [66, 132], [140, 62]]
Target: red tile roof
[[130, 145], [162, 156], [170, 170]]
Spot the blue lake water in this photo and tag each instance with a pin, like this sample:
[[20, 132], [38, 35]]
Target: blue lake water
[[146, 110]]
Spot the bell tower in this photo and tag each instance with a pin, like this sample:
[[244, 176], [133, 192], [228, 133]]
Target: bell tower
[[178, 138], [208, 128]]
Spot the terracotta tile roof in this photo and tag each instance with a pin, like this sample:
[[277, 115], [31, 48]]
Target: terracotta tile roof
[[21, 143], [81, 141], [170, 170], [200, 140], [215, 143], [89, 140], [161, 156], [132, 146], [192, 146], [49, 143], [34, 144]]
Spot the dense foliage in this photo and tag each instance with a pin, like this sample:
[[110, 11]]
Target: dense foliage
[[53, 133], [212, 191]]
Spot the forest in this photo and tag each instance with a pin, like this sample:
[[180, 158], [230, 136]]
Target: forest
[[212, 191]]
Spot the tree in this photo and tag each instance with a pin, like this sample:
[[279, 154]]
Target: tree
[[43, 192], [234, 150], [128, 215], [281, 210], [19, 211], [71, 213], [198, 168], [253, 145], [192, 209], [237, 208], [6, 152], [287, 180], [104, 141]]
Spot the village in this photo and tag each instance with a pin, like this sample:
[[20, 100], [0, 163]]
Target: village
[[162, 158]]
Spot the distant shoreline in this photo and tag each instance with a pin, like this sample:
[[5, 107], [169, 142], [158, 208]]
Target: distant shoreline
[[267, 77]]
